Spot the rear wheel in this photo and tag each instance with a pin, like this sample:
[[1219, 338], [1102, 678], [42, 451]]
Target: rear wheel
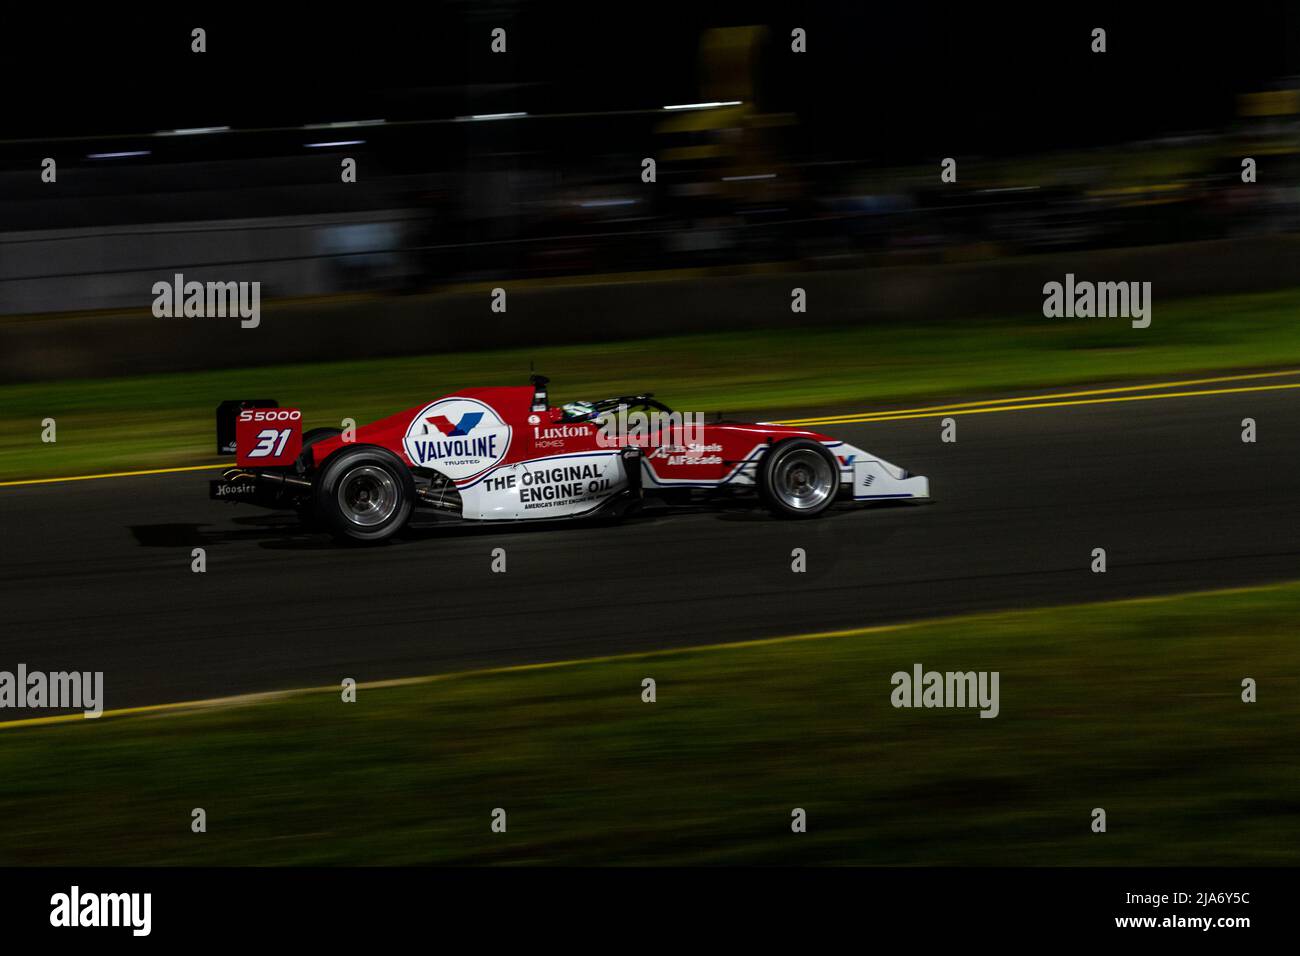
[[364, 495], [798, 478]]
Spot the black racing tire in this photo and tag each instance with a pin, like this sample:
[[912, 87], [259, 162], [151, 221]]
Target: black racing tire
[[364, 494], [798, 478]]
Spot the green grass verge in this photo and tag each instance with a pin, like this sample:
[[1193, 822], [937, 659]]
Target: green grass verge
[[165, 420], [1134, 707]]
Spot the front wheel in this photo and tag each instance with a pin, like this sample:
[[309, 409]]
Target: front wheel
[[364, 494], [798, 478]]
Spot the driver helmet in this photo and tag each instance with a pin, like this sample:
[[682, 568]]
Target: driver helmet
[[578, 412]]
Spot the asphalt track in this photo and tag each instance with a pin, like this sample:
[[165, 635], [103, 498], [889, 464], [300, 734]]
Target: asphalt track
[[97, 573]]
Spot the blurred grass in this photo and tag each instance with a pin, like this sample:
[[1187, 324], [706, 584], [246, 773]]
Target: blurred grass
[[1134, 707], [166, 420]]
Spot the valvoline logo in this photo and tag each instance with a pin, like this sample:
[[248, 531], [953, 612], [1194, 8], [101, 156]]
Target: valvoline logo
[[462, 427], [459, 437]]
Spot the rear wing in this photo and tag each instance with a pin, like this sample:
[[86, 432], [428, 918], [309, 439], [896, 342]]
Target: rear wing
[[259, 432]]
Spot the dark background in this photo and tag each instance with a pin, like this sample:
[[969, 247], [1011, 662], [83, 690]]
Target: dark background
[[893, 83]]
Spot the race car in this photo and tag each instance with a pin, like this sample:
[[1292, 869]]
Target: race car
[[507, 454]]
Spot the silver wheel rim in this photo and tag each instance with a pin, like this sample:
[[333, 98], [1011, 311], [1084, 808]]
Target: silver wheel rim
[[802, 479], [367, 496]]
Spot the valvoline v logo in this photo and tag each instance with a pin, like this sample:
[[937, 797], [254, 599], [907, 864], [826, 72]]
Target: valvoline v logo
[[462, 427], [459, 437]]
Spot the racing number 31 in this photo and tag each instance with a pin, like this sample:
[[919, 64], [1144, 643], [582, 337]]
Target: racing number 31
[[270, 436], [271, 441]]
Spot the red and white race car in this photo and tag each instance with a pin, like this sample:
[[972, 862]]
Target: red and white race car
[[507, 454]]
